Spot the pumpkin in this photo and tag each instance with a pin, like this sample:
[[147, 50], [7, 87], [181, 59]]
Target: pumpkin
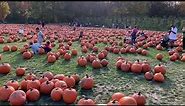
[[117, 96], [132, 50], [6, 48], [23, 84], [84, 49], [27, 55], [123, 50], [146, 67], [74, 52], [46, 87], [118, 64], [76, 77], [55, 80], [124, 101], [87, 82], [69, 95], [113, 103], [136, 67], [70, 81], [101, 55], [20, 71], [104, 62], [13, 83], [183, 58], [51, 58], [173, 57], [49, 75], [95, 49], [5, 68], [30, 76], [144, 52], [22, 50], [125, 66], [33, 84], [160, 68], [86, 101], [159, 56], [82, 61], [59, 76], [32, 94], [158, 77], [96, 64], [105, 53], [5, 92], [14, 48], [148, 76], [56, 94], [139, 50], [43, 79], [67, 56], [17, 98], [41, 51], [61, 84], [140, 99]]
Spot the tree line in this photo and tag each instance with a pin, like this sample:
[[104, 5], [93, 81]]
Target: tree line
[[95, 12]]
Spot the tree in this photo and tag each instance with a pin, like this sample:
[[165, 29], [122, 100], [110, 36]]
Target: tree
[[4, 10]]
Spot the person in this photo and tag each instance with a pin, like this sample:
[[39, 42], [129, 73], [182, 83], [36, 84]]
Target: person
[[40, 36], [172, 36], [164, 41], [21, 31], [133, 35], [81, 34], [47, 47], [183, 38], [35, 47], [43, 24]]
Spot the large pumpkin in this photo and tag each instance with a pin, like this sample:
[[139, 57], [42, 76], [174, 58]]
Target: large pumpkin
[[159, 77], [69, 95], [56, 94], [117, 96], [96, 64], [67, 56], [5, 92], [125, 66], [27, 55], [140, 99], [87, 82], [32, 94], [20, 71], [5, 68], [146, 67], [136, 67], [17, 98], [124, 101], [33, 84], [23, 84], [70, 81], [82, 61], [49, 75], [46, 87]]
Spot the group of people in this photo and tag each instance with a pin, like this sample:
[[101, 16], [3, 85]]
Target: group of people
[[167, 41]]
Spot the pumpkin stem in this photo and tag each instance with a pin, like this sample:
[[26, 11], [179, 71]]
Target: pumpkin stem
[[114, 101], [12, 81], [139, 93], [6, 86], [87, 75], [138, 60]]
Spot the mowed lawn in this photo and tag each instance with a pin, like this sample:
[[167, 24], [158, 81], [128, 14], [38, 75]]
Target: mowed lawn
[[108, 80]]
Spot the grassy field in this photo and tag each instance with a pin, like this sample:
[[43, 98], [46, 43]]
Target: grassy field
[[108, 80]]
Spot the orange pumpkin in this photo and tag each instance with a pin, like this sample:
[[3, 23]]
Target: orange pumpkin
[[69, 95], [51, 58], [101, 55], [159, 56], [14, 48], [33, 84], [74, 52], [76, 77], [5, 68], [87, 82], [125, 66], [6, 48], [67, 56], [173, 57], [41, 51], [20, 71], [136, 67], [43, 79], [140, 99], [17, 98], [82, 61], [149, 76], [13, 83], [5, 92], [61, 84], [56, 94], [159, 77], [32, 94], [70, 81], [117, 96], [183, 58], [96, 64], [27, 55], [59, 76], [49, 75], [104, 62], [124, 101], [46, 87], [160, 68], [23, 84], [86, 101], [144, 52], [30, 76], [113, 103], [146, 67]]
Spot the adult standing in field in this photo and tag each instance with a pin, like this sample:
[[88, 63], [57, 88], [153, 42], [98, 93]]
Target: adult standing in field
[[183, 39], [172, 36], [21, 31], [134, 35], [40, 36]]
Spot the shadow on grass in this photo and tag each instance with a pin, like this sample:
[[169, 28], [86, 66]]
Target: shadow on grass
[[80, 69], [88, 93]]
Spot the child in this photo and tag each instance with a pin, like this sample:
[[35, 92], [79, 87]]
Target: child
[[81, 34], [35, 47], [164, 41], [47, 47]]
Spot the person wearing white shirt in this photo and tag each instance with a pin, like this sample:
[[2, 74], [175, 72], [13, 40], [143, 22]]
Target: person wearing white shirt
[[172, 36]]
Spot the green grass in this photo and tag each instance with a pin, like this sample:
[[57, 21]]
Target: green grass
[[108, 80]]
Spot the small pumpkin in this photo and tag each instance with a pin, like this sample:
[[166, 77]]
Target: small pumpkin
[[51, 58], [61, 84], [30, 76], [136, 67], [59, 76], [5, 68], [127, 100], [70, 81], [56, 94], [159, 56], [87, 82], [125, 66], [96, 64], [43, 79], [160, 68], [13, 83], [20, 71], [86, 101], [82, 61], [149, 76], [158, 77], [5, 92], [33, 84], [46, 87], [140, 99], [104, 62], [76, 77], [32, 94], [23, 84], [27, 55], [74, 52], [117, 96], [49, 75], [14, 48], [69, 95], [113, 103], [6, 48]]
